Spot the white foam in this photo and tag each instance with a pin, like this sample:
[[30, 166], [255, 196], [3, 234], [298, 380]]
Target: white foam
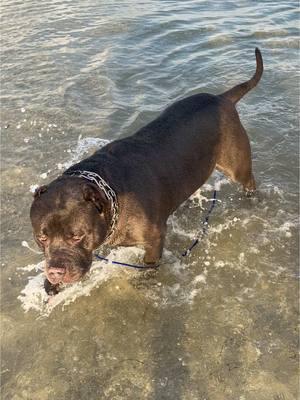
[[174, 222], [220, 264], [84, 145], [33, 267], [270, 190], [34, 297], [225, 226], [25, 244], [197, 198], [33, 188], [285, 228], [200, 279], [183, 292]]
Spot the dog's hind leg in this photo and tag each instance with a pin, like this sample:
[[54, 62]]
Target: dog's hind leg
[[234, 158]]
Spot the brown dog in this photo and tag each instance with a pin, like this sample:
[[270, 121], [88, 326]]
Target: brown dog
[[124, 193]]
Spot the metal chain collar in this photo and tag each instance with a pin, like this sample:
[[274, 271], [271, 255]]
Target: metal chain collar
[[110, 194]]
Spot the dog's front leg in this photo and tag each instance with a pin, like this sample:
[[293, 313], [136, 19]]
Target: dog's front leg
[[154, 247], [153, 253]]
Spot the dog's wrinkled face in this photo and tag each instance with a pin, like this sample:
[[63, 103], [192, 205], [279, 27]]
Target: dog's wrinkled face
[[69, 221]]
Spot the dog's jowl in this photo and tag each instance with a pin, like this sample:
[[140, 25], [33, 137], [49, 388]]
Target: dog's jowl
[[124, 193]]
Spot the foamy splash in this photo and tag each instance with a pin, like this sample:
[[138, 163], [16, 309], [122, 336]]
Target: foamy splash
[[83, 147], [34, 297]]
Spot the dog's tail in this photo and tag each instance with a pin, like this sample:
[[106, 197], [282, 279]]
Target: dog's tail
[[237, 92]]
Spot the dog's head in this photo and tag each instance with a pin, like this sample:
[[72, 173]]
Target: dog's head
[[70, 218]]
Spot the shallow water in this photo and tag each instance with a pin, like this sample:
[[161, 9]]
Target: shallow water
[[218, 325]]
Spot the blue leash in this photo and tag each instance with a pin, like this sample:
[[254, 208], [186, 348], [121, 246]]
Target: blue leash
[[121, 264], [205, 227], [184, 254]]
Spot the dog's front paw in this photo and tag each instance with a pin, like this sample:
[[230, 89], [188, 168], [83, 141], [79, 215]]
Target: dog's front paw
[[254, 197], [150, 262], [151, 265]]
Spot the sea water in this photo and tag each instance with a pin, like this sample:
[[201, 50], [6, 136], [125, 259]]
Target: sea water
[[219, 324]]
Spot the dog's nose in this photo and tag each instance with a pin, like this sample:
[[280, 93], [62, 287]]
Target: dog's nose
[[55, 275]]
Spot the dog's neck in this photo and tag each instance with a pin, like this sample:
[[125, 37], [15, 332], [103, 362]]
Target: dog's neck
[[109, 193]]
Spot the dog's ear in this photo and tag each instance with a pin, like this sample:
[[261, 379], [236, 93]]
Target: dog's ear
[[95, 195], [39, 191]]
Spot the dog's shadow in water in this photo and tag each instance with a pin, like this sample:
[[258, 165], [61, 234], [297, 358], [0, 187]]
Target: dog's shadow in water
[[170, 374]]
